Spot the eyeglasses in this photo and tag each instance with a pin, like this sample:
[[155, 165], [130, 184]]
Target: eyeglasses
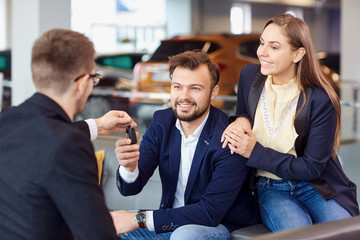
[[96, 77]]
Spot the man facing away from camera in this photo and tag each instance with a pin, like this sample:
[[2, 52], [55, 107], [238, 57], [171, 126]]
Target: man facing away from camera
[[205, 189], [48, 175]]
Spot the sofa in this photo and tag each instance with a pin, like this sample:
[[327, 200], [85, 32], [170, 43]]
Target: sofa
[[149, 198], [345, 229]]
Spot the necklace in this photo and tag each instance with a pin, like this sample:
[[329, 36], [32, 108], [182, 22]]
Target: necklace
[[266, 116]]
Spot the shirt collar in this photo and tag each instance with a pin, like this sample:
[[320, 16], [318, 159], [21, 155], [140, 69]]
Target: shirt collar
[[285, 87], [285, 92], [197, 132]]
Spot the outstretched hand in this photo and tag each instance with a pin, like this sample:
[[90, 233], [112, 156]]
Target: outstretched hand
[[114, 121]]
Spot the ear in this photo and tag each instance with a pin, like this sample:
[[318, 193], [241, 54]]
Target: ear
[[299, 54], [81, 84], [214, 92]]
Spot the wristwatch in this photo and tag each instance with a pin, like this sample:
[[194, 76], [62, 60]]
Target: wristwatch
[[140, 218]]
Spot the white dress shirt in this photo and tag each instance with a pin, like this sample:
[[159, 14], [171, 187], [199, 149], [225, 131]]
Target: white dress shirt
[[93, 128]]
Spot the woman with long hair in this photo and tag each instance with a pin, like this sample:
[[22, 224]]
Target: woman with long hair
[[287, 125]]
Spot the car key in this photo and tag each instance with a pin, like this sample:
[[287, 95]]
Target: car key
[[131, 134]]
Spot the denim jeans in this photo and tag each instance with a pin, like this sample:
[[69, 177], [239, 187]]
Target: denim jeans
[[188, 232], [145, 234], [288, 204]]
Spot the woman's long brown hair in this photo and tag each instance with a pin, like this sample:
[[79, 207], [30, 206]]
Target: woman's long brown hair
[[308, 70]]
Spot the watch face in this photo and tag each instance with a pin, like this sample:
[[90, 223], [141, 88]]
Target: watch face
[[140, 217]]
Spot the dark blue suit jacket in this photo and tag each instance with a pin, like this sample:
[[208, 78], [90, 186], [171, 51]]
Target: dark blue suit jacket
[[315, 126], [48, 176], [217, 190]]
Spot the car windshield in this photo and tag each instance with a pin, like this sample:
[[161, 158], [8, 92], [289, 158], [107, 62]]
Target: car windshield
[[170, 48]]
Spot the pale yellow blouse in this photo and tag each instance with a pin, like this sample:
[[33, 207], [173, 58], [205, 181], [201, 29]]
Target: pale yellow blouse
[[274, 119]]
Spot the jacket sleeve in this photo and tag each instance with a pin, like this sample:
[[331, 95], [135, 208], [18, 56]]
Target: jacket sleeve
[[228, 175], [72, 183], [82, 126], [318, 149]]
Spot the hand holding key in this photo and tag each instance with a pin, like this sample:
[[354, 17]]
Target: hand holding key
[[130, 131], [127, 150]]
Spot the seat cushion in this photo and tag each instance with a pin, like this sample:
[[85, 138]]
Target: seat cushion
[[251, 231]]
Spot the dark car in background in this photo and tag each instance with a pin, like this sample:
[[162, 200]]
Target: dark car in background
[[117, 69], [115, 89]]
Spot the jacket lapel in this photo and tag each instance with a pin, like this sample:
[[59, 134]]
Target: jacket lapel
[[255, 92], [201, 149], [174, 158]]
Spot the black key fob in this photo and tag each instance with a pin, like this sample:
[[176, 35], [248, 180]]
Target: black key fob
[[131, 134]]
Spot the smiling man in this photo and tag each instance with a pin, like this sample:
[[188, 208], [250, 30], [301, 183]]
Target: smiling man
[[204, 187]]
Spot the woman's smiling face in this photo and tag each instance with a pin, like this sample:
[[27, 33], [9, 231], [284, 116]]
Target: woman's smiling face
[[276, 56]]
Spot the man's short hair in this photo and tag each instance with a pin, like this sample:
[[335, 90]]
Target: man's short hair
[[59, 56], [192, 60]]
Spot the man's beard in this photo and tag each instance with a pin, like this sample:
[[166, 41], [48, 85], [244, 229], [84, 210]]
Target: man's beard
[[197, 113]]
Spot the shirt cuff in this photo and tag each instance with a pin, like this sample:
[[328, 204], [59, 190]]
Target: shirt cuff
[[92, 128], [128, 177], [150, 221]]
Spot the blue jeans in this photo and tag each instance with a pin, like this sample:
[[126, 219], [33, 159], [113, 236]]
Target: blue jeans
[[188, 232], [145, 234], [287, 204]]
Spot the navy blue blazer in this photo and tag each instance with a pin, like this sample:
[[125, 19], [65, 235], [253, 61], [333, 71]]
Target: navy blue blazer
[[48, 176], [315, 126], [217, 190]]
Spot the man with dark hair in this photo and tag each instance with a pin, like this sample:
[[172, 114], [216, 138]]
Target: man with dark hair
[[205, 189], [48, 175]]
